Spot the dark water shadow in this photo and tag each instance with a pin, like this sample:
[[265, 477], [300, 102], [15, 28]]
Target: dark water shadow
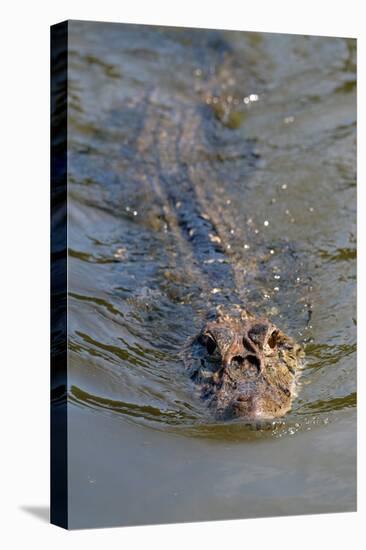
[[40, 512]]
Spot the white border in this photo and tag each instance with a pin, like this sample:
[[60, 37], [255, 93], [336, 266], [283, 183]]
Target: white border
[[25, 277]]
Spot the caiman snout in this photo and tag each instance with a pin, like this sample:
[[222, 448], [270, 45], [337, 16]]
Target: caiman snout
[[245, 366], [243, 359]]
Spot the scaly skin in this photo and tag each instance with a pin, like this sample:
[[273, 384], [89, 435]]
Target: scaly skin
[[244, 366]]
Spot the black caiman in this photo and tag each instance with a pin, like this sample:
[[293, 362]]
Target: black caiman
[[242, 364]]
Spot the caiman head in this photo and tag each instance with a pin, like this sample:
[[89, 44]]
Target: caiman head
[[244, 366]]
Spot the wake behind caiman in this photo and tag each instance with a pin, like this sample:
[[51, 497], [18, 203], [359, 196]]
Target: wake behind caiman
[[242, 364]]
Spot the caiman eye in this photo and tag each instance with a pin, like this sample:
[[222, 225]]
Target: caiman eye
[[210, 345], [208, 342], [272, 340]]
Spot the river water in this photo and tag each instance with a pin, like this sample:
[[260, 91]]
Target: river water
[[142, 447]]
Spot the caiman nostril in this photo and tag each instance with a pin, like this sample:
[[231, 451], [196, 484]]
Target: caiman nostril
[[237, 359]]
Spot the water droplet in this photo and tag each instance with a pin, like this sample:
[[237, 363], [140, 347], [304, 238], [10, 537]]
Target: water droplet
[[214, 238], [119, 253]]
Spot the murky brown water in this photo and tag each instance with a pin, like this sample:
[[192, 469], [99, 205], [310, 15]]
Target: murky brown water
[[142, 448]]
